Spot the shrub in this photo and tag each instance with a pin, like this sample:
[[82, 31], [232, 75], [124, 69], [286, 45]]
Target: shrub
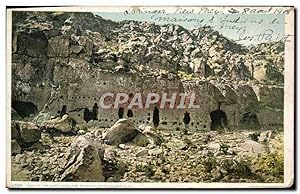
[[209, 164]]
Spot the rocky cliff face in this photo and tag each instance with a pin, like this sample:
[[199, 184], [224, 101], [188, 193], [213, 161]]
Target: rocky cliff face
[[61, 55]]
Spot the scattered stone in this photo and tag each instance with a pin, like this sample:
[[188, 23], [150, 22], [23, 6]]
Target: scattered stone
[[64, 124]]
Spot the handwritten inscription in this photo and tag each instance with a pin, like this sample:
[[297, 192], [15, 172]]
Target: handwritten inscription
[[244, 24], [208, 10]]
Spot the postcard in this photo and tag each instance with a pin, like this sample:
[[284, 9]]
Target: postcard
[[150, 97]]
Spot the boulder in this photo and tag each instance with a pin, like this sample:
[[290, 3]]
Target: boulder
[[82, 162], [29, 132], [122, 131], [15, 147], [64, 124], [58, 46], [252, 147]]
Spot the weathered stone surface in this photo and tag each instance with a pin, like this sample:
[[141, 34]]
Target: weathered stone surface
[[29, 132], [58, 46], [82, 162], [64, 124], [120, 132]]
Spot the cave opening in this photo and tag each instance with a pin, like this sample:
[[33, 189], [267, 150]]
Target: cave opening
[[218, 119], [121, 113], [129, 113], [186, 119], [250, 121], [155, 117], [24, 109]]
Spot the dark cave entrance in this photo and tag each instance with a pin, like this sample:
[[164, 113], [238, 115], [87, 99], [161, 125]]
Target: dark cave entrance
[[129, 113], [250, 121], [24, 109], [121, 113], [155, 118], [186, 119], [218, 119]]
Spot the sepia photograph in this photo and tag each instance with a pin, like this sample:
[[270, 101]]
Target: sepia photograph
[[150, 97]]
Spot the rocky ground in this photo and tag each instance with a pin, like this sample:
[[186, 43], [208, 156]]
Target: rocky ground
[[179, 156]]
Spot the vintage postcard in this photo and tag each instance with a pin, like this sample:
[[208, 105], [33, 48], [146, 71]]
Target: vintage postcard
[[150, 97]]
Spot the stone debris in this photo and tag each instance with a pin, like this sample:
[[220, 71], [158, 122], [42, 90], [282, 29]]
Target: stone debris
[[225, 158], [64, 124]]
